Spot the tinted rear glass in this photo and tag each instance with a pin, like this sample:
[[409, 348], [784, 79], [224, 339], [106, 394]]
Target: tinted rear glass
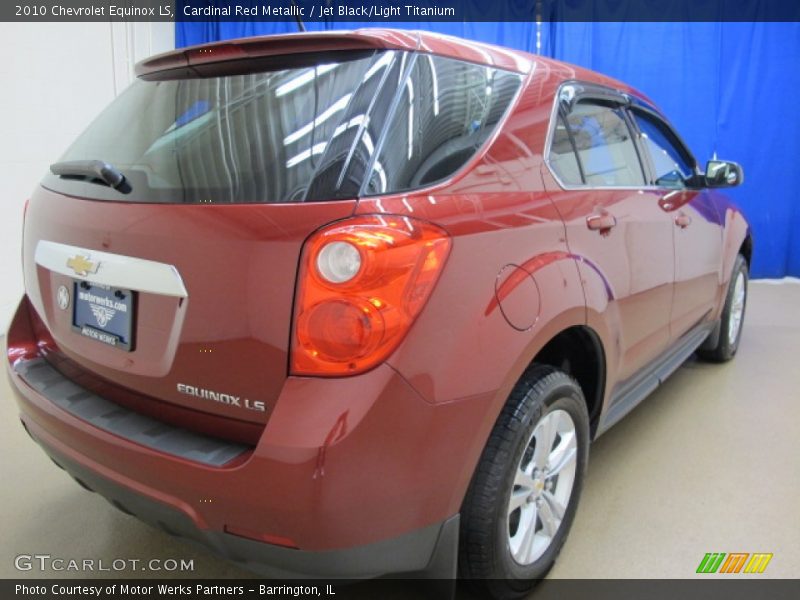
[[295, 132], [446, 110], [256, 137]]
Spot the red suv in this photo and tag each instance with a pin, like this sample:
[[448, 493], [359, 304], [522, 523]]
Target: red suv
[[352, 304]]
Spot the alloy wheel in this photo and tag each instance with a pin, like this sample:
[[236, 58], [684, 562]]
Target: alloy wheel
[[737, 308], [542, 486]]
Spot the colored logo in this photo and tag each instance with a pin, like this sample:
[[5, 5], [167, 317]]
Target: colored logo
[[734, 562], [82, 265]]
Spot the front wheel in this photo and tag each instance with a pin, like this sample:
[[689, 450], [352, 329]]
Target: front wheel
[[732, 316], [525, 491]]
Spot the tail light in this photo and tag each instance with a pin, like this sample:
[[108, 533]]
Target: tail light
[[362, 283]]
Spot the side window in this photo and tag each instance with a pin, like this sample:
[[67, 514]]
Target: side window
[[562, 156], [605, 146], [671, 166], [446, 110], [344, 165]]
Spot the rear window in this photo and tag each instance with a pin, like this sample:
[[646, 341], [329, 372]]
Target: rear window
[[313, 130]]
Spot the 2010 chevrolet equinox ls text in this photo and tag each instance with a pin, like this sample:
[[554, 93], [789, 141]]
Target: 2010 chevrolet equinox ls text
[[371, 293]]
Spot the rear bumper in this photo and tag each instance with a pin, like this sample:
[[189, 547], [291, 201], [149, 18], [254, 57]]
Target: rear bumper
[[425, 551], [352, 478]]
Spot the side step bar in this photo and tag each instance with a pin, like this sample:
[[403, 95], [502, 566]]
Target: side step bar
[[627, 396]]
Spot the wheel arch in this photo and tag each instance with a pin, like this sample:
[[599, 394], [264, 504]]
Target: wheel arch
[[746, 249], [578, 351], [737, 240], [570, 344]]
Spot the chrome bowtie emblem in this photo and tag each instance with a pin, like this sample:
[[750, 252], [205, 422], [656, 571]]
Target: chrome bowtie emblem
[[62, 297], [82, 265]]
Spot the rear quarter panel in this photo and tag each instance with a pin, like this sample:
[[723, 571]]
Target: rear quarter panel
[[509, 285]]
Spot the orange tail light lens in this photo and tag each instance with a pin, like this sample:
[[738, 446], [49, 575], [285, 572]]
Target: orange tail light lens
[[362, 283]]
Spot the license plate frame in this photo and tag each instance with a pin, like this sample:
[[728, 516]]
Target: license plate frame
[[105, 314]]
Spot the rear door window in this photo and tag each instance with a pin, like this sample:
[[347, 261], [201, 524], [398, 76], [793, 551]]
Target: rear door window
[[604, 146], [563, 159]]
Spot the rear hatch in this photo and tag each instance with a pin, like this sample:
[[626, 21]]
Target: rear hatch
[[161, 252]]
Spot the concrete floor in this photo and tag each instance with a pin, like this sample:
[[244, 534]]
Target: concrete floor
[[709, 463]]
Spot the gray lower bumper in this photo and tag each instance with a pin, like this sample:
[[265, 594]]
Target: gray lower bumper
[[430, 552]]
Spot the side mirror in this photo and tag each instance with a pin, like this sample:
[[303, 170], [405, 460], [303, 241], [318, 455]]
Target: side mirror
[[723, 173]]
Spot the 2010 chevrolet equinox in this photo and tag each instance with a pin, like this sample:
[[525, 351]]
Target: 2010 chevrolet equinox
[[351, 304]]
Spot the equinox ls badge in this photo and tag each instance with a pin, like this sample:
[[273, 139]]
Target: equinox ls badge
[[189, 390], [82, 265]]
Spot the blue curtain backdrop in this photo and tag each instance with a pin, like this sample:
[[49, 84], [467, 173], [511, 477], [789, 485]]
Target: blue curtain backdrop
[[730, 88]]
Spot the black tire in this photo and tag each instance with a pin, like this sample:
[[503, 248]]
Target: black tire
[[485, 554], [726, 347]]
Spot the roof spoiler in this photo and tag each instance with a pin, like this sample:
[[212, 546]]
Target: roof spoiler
[[276, 45]]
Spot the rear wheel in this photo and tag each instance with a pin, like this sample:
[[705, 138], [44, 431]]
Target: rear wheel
[[525, 491], [732, 316]]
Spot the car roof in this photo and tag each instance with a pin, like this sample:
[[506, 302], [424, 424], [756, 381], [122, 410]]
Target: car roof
[[375, 38]]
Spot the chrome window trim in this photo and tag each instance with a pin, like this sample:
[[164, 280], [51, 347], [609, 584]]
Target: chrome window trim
[[114, 270]]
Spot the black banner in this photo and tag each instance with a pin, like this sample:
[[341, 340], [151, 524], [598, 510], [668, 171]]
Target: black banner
[[711, 588], [400, 11]]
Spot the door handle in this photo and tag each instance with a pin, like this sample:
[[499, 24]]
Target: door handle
[[602, 222], [683, 220]]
